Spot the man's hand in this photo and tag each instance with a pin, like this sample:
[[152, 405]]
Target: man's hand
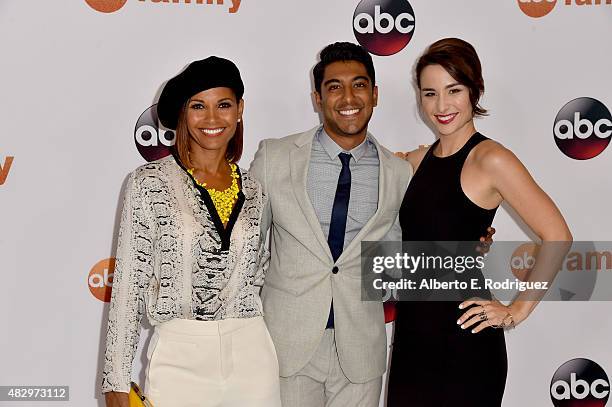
[[486, 241], [401, 155]]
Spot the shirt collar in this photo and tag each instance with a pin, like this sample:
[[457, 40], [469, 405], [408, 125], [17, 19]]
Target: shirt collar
[[333, 149]]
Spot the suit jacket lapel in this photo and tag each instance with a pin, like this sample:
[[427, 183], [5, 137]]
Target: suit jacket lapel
[[300, 160]]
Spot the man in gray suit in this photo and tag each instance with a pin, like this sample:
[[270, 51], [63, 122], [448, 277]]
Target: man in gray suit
[[329, 188]]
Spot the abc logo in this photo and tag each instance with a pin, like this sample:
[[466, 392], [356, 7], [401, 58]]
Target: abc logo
[[100, 279], [153, 140], [583, 128], [383, 27], [537, 8], [106, 6], [580, 382], [523, 260]]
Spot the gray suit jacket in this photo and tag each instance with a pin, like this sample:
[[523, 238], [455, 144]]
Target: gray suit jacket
[[299, 284]]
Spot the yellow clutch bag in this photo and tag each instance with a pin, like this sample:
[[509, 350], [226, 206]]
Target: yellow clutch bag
[[137, 399]]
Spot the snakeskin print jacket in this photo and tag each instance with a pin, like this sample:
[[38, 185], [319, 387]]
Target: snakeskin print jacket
[[175, 259]]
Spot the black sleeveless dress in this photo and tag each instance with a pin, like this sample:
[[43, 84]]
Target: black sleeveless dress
[[434, 362]]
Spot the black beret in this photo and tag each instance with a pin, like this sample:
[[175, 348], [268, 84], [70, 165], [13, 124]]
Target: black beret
[[212, 72]]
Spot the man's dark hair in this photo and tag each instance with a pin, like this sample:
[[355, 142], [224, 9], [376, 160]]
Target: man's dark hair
[[342, 51]]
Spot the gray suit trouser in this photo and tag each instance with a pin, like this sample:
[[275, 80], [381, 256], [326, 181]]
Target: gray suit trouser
[[321, 383]]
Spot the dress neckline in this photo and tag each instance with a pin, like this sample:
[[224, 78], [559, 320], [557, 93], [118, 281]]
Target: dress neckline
[[456, 153]]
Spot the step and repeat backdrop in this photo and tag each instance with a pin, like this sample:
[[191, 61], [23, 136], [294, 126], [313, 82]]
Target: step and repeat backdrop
[[79, 81]]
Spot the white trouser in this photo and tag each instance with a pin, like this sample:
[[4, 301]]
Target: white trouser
[[227, 363]]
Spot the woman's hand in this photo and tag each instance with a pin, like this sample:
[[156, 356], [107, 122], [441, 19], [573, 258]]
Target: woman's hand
[[484, 313], [117, 399]]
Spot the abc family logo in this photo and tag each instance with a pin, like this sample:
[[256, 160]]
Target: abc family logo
[[583, 128], [578, 271], [540, 8], [383, 27], [580, 383], [152, 139], [583, 258], [100, 279], [110, 6], [5, 169]]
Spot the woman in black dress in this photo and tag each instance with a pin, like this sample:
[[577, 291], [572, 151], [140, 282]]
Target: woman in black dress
[[447, 353]]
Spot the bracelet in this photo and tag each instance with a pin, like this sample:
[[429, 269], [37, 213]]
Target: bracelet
[[505, 324], [511, 324]]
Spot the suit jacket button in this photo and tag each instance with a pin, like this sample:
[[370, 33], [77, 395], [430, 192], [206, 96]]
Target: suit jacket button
[[335, 270]]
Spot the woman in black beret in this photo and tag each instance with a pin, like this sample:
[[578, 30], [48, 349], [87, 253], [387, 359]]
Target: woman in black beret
[[191, 255]]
